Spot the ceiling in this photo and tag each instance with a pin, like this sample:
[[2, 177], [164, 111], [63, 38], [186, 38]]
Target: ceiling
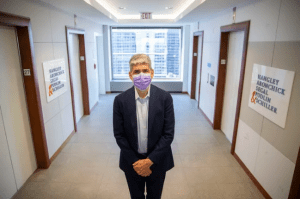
[[134, 7], [80, 8], [213, 7], [108, 12]]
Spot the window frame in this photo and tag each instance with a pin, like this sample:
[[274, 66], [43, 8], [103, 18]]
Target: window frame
[[181, 59]]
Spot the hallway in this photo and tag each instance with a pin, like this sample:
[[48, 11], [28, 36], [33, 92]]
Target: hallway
[[88, 166]]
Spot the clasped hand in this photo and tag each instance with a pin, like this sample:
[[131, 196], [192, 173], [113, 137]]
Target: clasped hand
[[142, 167]]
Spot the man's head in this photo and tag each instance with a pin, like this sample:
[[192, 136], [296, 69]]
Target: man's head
[[140, 63], [141, 72]]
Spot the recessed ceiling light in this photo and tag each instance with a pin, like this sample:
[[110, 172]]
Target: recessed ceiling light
[[168, 8], [122, 8]]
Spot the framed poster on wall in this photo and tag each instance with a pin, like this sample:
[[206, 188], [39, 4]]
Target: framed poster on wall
[[270, 92], [55, 78]]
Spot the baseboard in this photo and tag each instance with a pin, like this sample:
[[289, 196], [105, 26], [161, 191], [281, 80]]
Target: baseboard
[[29, 179], [94, 106], [51, 160], [185, 92], [212, 125], [256, 183], [61, 147]]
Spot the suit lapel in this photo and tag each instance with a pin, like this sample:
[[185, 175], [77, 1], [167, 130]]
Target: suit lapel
[[132, 111], [151, 109]]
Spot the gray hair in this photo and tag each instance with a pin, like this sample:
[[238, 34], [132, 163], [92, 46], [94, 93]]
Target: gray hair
[[140, 59]]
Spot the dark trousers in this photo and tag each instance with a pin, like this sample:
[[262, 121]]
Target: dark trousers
[[154, 183]]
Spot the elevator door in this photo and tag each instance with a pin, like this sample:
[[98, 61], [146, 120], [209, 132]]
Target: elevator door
[[76, 75], [7, 179], [17, 157], [234, 61]]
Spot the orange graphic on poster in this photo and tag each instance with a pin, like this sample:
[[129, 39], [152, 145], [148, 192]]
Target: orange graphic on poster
[[253, 98], [50, 90]]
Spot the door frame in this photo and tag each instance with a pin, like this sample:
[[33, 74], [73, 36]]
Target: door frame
[[224, 39], [194, 63], [295, 186], [23, 29], [83, 72], [225, 30], [96, 65]]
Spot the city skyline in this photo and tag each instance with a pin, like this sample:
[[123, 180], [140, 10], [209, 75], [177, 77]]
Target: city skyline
[[162, 46]]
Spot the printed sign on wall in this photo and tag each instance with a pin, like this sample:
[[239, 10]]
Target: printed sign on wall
[[270, 92], [55, 78], [212, 80]]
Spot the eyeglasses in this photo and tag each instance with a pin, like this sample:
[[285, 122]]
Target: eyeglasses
[[139, 71]]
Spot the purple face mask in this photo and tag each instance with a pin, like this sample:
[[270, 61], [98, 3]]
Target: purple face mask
[[142, 80]]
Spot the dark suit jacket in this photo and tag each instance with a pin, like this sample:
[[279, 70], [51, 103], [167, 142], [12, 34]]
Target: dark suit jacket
[[161, 124]]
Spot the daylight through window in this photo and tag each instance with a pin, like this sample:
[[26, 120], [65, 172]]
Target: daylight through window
[[163, 45]]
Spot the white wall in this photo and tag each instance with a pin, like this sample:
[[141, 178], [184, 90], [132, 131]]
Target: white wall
[[107, 56], [186, 50], [101, 66], [49, 37], [267, 150]]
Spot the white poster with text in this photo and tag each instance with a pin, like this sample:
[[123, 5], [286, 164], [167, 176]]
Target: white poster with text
[[55, 78], [270, 92]]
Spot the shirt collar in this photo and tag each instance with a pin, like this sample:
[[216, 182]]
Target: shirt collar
[[137, 95]]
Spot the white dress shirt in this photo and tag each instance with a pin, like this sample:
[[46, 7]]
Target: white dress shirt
[[142, 107]]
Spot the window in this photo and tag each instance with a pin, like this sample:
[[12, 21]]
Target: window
[[159, 35], [147, 47], [162, 45]]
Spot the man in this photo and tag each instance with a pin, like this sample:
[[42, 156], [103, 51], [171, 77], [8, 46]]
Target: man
[[143, 124]]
